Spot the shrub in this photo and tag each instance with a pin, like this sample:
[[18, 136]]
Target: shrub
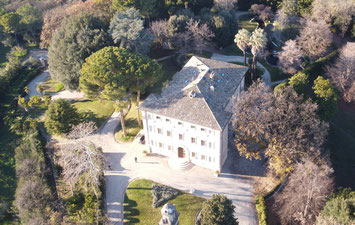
[[326, 98], [60, 117], [162, 194], [299, 82], [218, 210], [85, 209], [261, 210], [280, 86]]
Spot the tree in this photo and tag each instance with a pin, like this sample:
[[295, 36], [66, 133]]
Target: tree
[[82, 130], [10, 23], [77, 38], [326, 97], [30, 18], [338, 209], [83, 159], [338, 14], [224, 25], [305, 192], [158, 28], [280, 124], [61, 116], [257, 41], [299, 82], [264, 12], [200, 34], [111, 71], [242, 39], [315, 38], [290, 57], [127, 30], [218, 210], [342, 74], [225, 4], [288, 13]]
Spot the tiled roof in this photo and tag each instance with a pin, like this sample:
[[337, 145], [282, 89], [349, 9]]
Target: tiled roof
[[212, 82]]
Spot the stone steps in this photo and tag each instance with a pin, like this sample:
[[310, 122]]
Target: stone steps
[[180, 164]]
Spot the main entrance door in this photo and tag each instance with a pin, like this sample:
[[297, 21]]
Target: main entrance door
[[181, 152]]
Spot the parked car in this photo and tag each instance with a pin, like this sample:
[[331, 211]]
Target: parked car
[[142, 140]]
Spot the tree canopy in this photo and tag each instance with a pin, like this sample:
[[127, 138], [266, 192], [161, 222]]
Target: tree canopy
[[73, 42]]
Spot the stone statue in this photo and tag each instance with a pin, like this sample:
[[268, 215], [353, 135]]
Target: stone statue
[[170, 216]]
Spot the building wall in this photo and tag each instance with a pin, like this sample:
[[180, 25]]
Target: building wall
[[165, 135], [232, 101]]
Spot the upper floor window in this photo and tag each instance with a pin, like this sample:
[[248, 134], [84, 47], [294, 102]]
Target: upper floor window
[[193, 140], [168, 133], [193, 127], [150, 128], [167, 120], [203, 143], [181, 137], [169, 147], [158, 117], [160, 145], [179, 123], [193, 154], [203, 129], [210, 145], [159, 131], [203, 157]]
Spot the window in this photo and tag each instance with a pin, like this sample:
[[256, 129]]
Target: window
[[158, 117], [167, 120], [179, 123], [210, 145], [168, 133], [159, 130], [181, 137], [203, 143], [203, 129], [169, 147], [160, 145], [150, 128], [149, 116], [151, 142], [193, 154], [203, 157], [193, 127], [193, 140], [209, 159]]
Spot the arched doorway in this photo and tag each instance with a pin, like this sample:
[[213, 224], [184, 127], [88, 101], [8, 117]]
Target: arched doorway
[[181, 152]]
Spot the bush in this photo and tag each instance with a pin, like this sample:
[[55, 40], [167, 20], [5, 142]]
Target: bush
[[85, 209], [299, 82], [58, 87], [218, 210], [162, 194], [60, 117], [339, 209], [326, 98], [261, 209]]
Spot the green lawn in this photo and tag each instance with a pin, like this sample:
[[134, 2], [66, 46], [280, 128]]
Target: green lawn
[[244, 22], [275, 72], [101, 109], [138, 205], [3, 51], [232, 50], [132, 127], [52, 86]]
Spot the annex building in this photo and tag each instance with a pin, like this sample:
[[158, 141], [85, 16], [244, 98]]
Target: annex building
[[189, 120]]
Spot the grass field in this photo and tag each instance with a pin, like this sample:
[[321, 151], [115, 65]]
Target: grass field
[[101, 109], [244, 22], [138, 205], [132, 127], [52, 86]]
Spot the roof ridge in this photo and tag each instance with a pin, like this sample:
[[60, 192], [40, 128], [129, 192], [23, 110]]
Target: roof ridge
[[209, 108]]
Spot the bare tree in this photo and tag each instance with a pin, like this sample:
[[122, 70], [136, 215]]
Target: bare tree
[[290, 57], [305, 192], [200, 34], [264, 12], [82, 130], [315, 38], [160, 31], [340, 13], [279, 124], [80, 158], [342, 73], [225, 4]]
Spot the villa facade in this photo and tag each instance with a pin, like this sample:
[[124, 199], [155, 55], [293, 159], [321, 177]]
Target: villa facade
[[189, 119]]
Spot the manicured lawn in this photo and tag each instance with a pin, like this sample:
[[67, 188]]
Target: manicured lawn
[[244, 22], [52, 86], [275, 72], [132, 127], [231, 50], [101, 109], [138, 205], [3, 51]]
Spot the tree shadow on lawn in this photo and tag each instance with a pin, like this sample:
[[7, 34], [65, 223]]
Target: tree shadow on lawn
[[130, 211]]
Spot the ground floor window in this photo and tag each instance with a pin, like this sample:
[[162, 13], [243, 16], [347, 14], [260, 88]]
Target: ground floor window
[[169, 147], [203, 157], [193, 154]]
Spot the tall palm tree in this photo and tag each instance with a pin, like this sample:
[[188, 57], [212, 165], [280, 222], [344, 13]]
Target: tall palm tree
[[242, 39], [258, 41]]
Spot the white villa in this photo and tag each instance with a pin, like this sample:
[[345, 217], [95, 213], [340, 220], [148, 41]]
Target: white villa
[[189, 119]]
